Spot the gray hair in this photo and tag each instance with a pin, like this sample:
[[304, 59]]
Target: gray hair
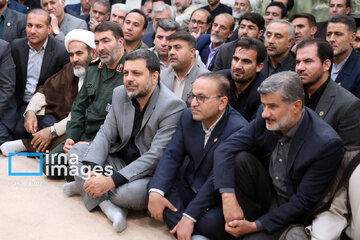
[[105, 3], [291, 27], [162, 8], [168, 25], [119, 6], [288, 84]]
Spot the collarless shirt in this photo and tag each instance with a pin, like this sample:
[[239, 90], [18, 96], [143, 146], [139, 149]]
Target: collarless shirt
[[335, 70], [312, 102], [279, 159], [272, 70], [212, 54], [33, 70]]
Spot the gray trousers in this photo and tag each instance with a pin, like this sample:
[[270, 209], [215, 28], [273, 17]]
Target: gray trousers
[[132, 195]]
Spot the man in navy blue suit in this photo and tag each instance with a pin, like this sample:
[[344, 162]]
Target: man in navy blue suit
[[188, 202], [285, 160]]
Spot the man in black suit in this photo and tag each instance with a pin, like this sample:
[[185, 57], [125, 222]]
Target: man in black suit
[[336, 7], [280, 35], [337, 106], [13, 24], [36, 57], [286, 158], [246, 66], [7, 96]]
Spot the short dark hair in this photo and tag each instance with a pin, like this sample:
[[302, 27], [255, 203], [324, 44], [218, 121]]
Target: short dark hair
[[141, 13], [152, 61], [254, 44], [167, 25], [221, 81], [105, 3], [279, 5], [40, 11], [289, 6], [310, 18], [344, 19], [168, 2], [255, 18], [324, 49], [208, 15], [186, 36], [347, 3], [110, 26]]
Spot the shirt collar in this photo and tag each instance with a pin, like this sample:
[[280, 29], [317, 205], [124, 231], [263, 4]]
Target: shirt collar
[[42, 47], [211, 128], [4, 14]]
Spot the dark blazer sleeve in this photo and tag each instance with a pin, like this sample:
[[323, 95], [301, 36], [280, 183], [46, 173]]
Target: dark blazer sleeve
[[171, 160], [310, 187]]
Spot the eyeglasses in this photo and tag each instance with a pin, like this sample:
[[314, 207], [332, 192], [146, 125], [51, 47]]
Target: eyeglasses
[[193, 21], [200, 98]]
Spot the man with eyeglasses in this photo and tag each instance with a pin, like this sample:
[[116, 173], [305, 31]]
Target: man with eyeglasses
[[189, 205], [200, 21], [250, 25]]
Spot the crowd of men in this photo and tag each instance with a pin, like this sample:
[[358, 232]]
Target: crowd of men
[[221, 122]]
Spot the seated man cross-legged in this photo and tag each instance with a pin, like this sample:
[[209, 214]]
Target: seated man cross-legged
[[191, 200], [136, 131], [285, 160]]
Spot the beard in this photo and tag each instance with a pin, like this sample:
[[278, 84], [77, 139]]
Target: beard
[[79, 72], [282, 124], [215, 39], [140, 92]]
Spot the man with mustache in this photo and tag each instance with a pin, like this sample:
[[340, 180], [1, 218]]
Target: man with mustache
[[341, 33], [272, 172], [356, 43], [93, 102], [139, 126], [305, 27], [37, 57], [208, 44], [200, 130], [61, 22], [250, 25], [164, 28], [246, 76], [280, 35], [184, 67], [48, 110]]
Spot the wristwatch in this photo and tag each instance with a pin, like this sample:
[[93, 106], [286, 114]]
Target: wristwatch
[[53, 132]]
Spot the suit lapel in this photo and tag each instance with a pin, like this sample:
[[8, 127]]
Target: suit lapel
[[150, 107], [8, 21], [48, 56], [127, 124], [189, 82], [214, 137], [297, 141], [347, 68], [326, 100]]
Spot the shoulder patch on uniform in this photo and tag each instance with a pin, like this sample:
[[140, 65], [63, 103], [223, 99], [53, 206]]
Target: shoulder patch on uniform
[[120, 67]]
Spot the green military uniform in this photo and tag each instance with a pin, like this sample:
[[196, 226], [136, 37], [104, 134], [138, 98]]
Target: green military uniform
[[89, 109]]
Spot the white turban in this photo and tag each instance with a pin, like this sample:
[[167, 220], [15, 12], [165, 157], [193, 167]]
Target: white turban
[[80, 35]]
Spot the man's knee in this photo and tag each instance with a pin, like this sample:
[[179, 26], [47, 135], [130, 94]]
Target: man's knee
[[132, 195], [244, 161], [212, 224]]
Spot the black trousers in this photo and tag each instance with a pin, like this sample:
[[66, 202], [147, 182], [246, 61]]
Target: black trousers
[[255, 192]]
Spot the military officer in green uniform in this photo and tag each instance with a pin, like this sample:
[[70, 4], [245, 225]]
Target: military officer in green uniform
[[93, 102]]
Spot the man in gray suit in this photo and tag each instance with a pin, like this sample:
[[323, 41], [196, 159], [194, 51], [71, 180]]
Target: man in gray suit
[[13, 24], [128, 146], [337, 106], [184, 69], [61, 22]]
